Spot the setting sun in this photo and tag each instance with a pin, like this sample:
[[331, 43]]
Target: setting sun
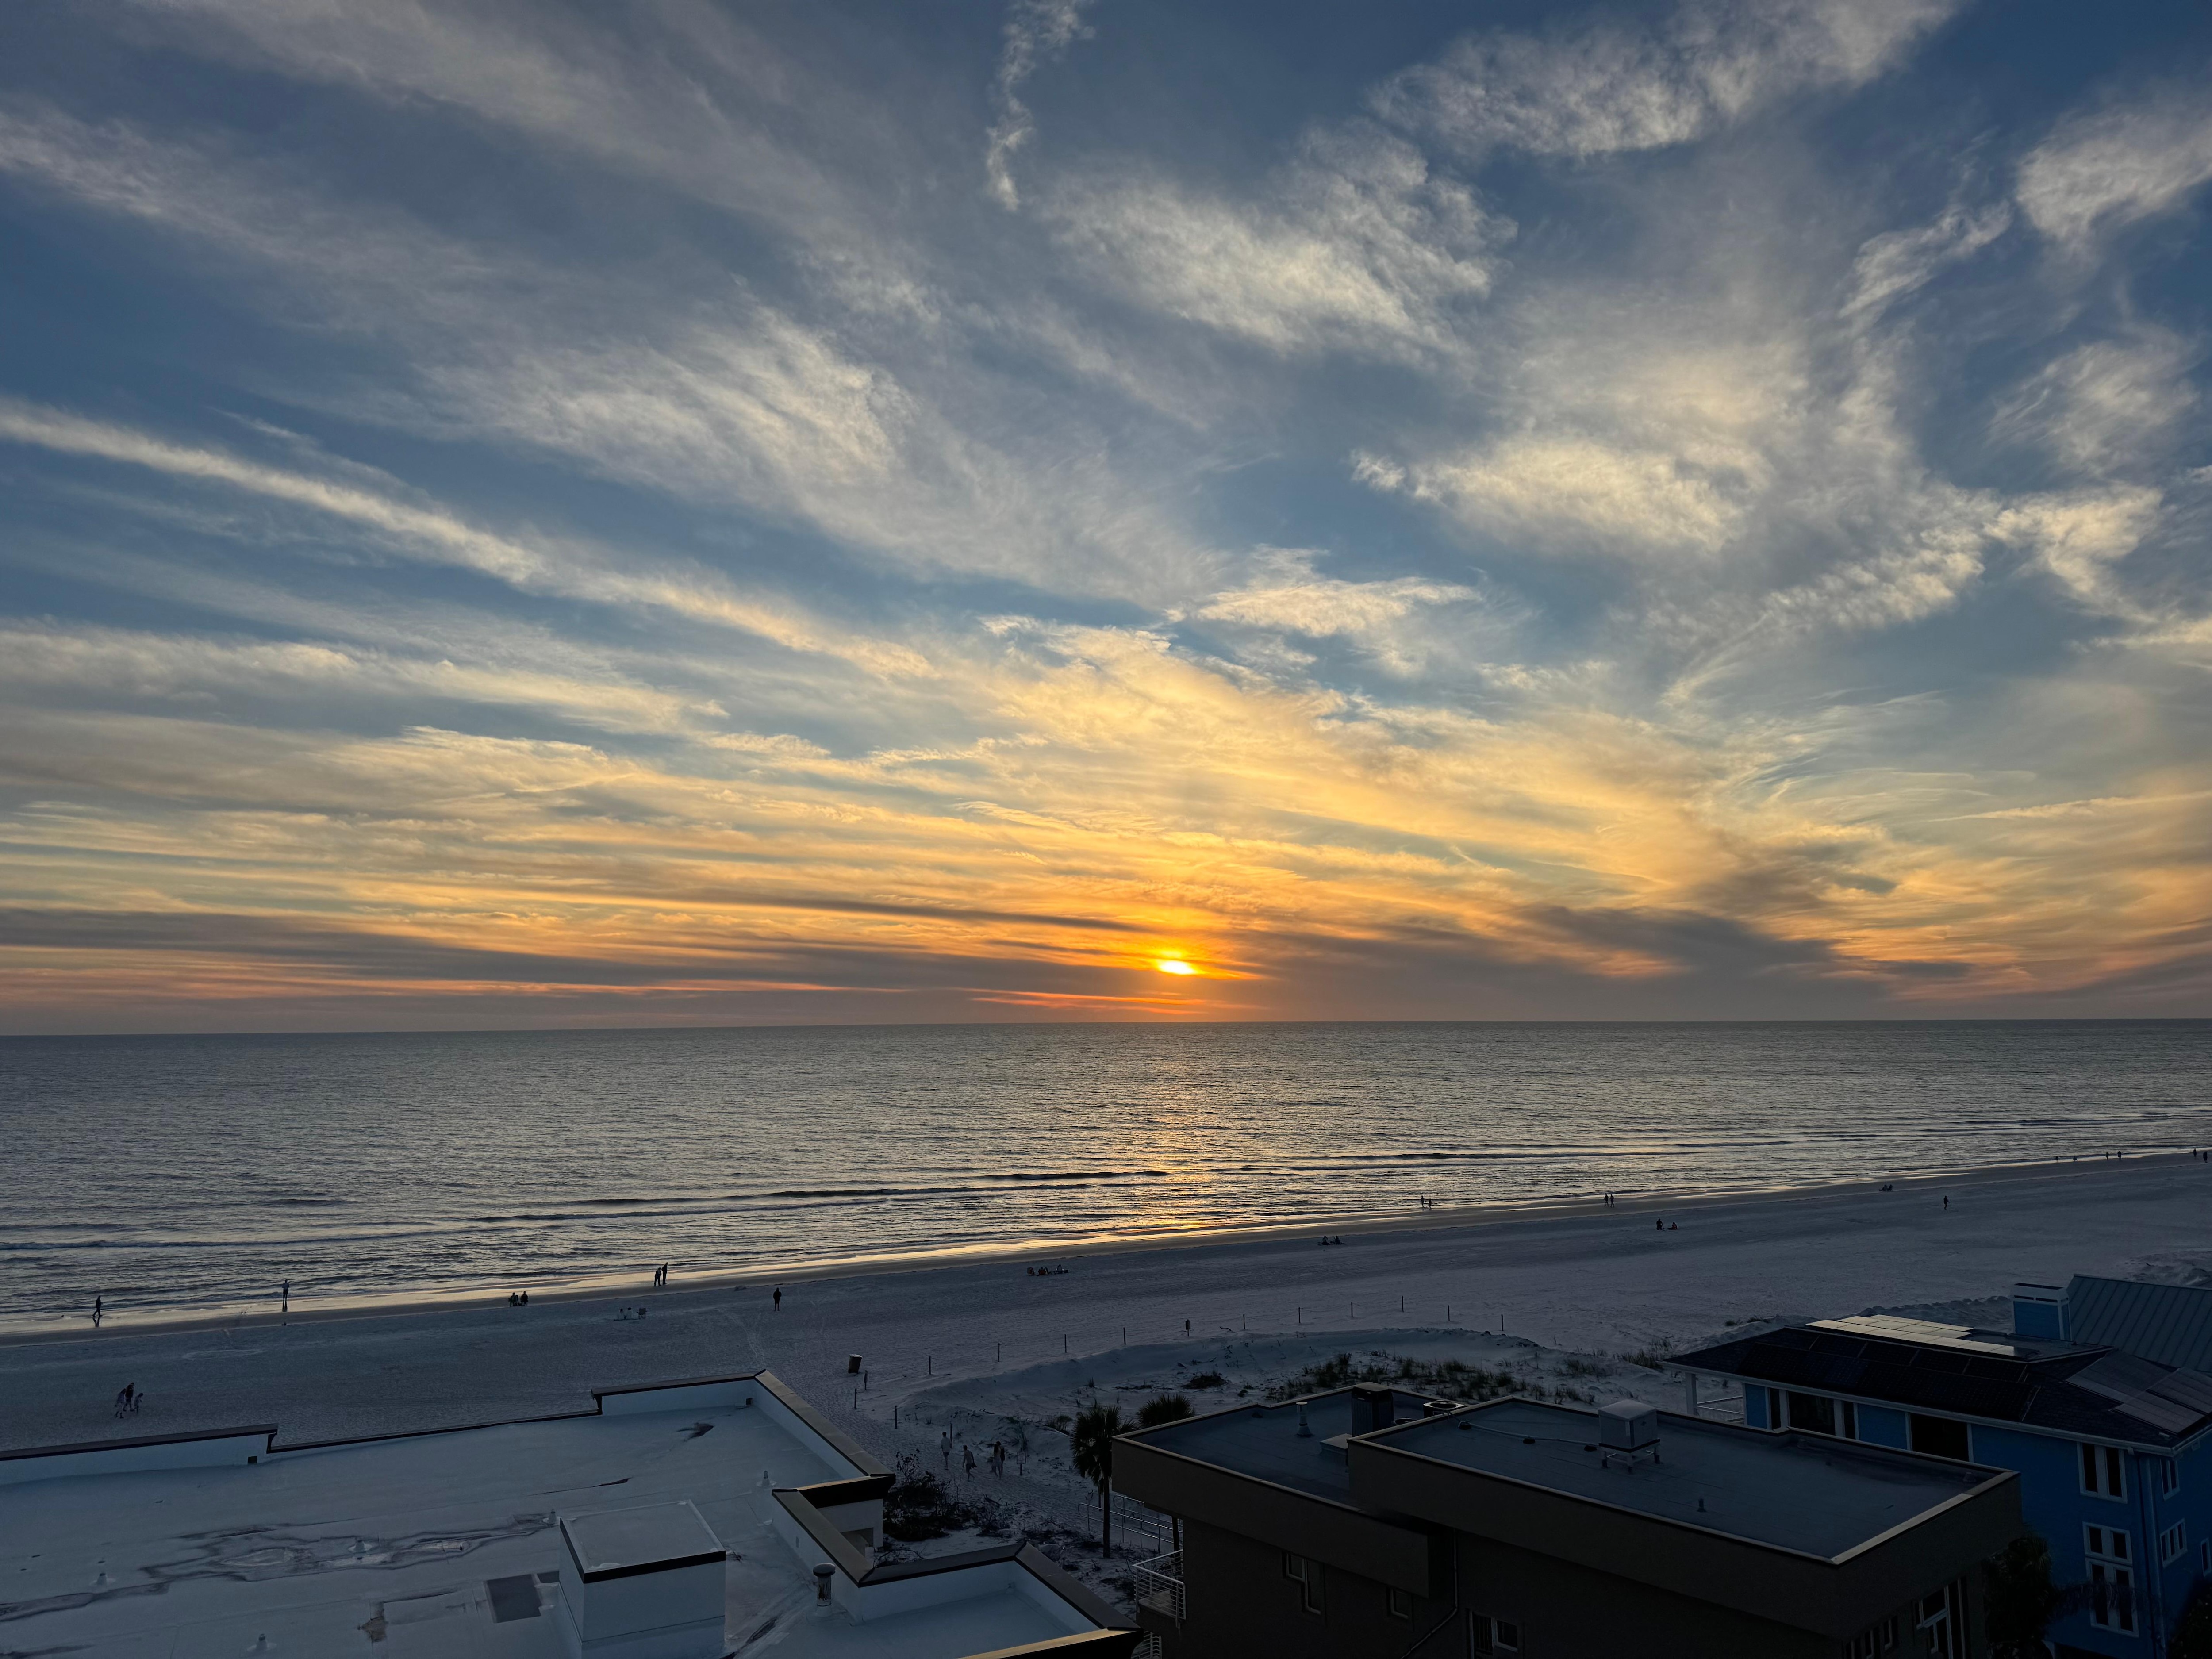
[[1175, 965]]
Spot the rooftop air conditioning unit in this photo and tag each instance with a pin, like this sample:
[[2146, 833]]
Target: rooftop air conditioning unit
[[1628, 1425]]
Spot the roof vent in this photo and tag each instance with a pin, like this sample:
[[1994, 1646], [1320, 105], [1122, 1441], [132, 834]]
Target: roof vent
[[1628, 1425]]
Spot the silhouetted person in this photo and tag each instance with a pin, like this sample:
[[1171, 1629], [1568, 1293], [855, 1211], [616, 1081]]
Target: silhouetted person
[[778, 1298]]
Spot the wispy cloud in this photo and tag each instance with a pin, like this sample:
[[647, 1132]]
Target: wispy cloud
[[1586, 90], [1359, 245], [1036, 32], [2097, 173]]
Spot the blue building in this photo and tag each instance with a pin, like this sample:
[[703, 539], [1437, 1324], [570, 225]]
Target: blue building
[[2099, 1397]]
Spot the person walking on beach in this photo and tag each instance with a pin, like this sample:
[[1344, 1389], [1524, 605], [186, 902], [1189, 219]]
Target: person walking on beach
[[123, 1399], [999, 1459], [288, 1296], [96, 1304], [967, 1459], [945, 1450], [1947, 1200], [778, 1298]]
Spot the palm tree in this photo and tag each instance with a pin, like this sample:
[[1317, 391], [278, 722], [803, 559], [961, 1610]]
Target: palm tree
[[1092, 1447]]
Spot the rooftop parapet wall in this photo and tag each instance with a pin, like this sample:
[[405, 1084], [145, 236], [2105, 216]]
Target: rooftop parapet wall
[[207, 1449]]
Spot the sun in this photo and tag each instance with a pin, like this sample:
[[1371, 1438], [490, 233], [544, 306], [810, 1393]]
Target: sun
[[1175, 965]]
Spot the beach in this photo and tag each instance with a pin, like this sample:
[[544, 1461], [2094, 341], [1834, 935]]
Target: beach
[[1579, 1279], [1579, 1302]]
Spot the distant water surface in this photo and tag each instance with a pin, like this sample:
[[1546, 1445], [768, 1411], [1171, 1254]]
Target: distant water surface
[[184, 1173]]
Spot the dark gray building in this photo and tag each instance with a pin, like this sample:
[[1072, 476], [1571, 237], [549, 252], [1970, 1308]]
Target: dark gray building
[[1371, 1521]]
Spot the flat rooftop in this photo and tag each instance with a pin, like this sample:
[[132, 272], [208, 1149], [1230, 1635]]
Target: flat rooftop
[[1263, 1442], [442, 1544], [1803, 1493]]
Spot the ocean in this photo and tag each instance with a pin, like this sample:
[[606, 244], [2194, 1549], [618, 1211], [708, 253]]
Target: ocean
[[172, 1173]]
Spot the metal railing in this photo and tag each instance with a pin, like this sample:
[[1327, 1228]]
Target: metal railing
[[1159, 1584], [1138, 1526]]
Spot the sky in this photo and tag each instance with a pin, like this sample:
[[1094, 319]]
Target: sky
[[525, 515]]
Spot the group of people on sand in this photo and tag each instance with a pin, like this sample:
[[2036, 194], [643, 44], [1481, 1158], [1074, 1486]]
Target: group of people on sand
[[518, 1299], [660, 1277], [129, 1400], [995, 1460], [1332, 1238], [1044, 1273], [627, 1312]]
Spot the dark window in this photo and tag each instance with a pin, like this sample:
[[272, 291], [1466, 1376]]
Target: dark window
[[1401, 1604], [1849, 1414], [2104, 1470], [1496, 1635], [1308, 1575], [1814, 1411], [1939, 1437]]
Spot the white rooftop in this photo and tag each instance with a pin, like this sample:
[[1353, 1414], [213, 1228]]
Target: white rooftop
[[452, 1543]]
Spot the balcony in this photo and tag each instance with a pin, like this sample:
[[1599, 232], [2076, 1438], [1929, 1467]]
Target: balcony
[[1159, 1585]]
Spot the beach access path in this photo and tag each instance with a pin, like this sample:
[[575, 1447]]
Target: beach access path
[[1576, 1276]]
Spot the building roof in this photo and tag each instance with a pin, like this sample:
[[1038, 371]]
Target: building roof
[[1806, 1494], [452, 1543], [2071, 1389], [1262, 1442], [2171, 1324]]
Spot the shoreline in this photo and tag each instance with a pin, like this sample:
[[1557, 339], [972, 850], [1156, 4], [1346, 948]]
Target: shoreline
[[1474, 1218]]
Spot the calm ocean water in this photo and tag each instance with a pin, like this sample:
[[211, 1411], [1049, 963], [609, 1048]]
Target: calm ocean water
[[197, 1172]]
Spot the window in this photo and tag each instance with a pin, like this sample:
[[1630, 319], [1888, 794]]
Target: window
[[2104, 1472], [1812, 1413], [1401, 1604], [1496, 1635], [2169, 1476], [1874, 1640], [1939, 1437], [1307, 1576], [1941, 1620], [2111, 1579], [1847, 1418], [2173, 1543]]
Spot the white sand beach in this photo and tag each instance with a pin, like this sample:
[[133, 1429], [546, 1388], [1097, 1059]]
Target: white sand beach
[[990, 1351]]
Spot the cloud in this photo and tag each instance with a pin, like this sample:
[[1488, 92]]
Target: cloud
[[2107, 406], [1360, 246], [2098, 174], [1624, 442], [2079, 538], [1608, 88], [1893, 265], [1037, 31], [1287, 594], [713, 398], [427, 531]]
